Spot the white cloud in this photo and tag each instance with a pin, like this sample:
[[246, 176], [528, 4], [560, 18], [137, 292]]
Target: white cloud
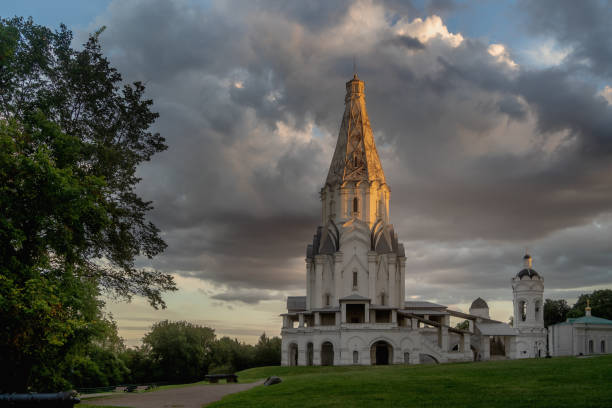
[[501, 54], [425, 30]]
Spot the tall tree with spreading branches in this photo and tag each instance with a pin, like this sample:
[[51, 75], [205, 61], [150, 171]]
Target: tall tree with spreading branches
[[71, 224]]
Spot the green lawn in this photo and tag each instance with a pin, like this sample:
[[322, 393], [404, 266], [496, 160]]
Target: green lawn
[[557, 382]]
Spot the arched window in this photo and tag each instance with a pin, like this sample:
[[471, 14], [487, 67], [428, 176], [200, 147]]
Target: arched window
[[603, 346], [537, 310], [523, 310], [327, 300], [355, 357], [590, 346], [382, 298], [354, 279], [355, 205]]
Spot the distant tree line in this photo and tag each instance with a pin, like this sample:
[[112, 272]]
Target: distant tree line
[[174, 352]]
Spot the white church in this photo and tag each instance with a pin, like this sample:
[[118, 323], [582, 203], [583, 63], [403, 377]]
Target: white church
[[355, 311]]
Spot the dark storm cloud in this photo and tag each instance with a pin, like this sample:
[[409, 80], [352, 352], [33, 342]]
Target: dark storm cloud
[[246, 296], [582, 25], [410, 43], [565, 103], [483, 156]]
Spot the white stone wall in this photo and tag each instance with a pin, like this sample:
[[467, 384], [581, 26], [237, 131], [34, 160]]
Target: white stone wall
[[345, 341], [573, 340]]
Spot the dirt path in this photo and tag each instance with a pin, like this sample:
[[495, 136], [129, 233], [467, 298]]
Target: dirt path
[[187, 397]]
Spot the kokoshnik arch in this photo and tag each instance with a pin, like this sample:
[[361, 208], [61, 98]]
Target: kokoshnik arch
[[354, 311]]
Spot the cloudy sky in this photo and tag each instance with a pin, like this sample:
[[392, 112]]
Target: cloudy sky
[[493, 120]]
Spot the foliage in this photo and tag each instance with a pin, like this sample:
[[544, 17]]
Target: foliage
[[98, 364], [142, 368], [267, 351], [183, 352], [600, 301], [230, 355], [70, 142], [555, 311], [464, 325], [556, 382], [106, 136], [180, 350]]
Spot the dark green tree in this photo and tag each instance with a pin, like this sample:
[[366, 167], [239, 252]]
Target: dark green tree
[[555, 311], [267, 351], [99, 362], [464, 325], [181, 350], [142, 368], [71, 138], [230, 355], [600, 301]]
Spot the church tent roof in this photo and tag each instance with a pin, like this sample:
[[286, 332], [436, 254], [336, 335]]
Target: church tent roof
[[355, 157]]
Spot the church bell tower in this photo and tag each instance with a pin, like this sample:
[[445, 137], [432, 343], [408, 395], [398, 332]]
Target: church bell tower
[[528, 300]]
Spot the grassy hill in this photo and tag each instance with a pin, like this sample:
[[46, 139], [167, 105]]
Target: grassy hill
[[556, 382]]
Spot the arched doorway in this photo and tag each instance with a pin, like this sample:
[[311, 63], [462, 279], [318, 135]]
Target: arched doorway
[[309, 354], [381, 353], [327, 354], [293, 354]]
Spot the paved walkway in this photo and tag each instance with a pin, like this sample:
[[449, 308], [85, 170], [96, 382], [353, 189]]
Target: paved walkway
[[187, 397]]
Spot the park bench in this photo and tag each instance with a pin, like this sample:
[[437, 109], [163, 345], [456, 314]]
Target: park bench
[[130, 388], [214, 378]]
